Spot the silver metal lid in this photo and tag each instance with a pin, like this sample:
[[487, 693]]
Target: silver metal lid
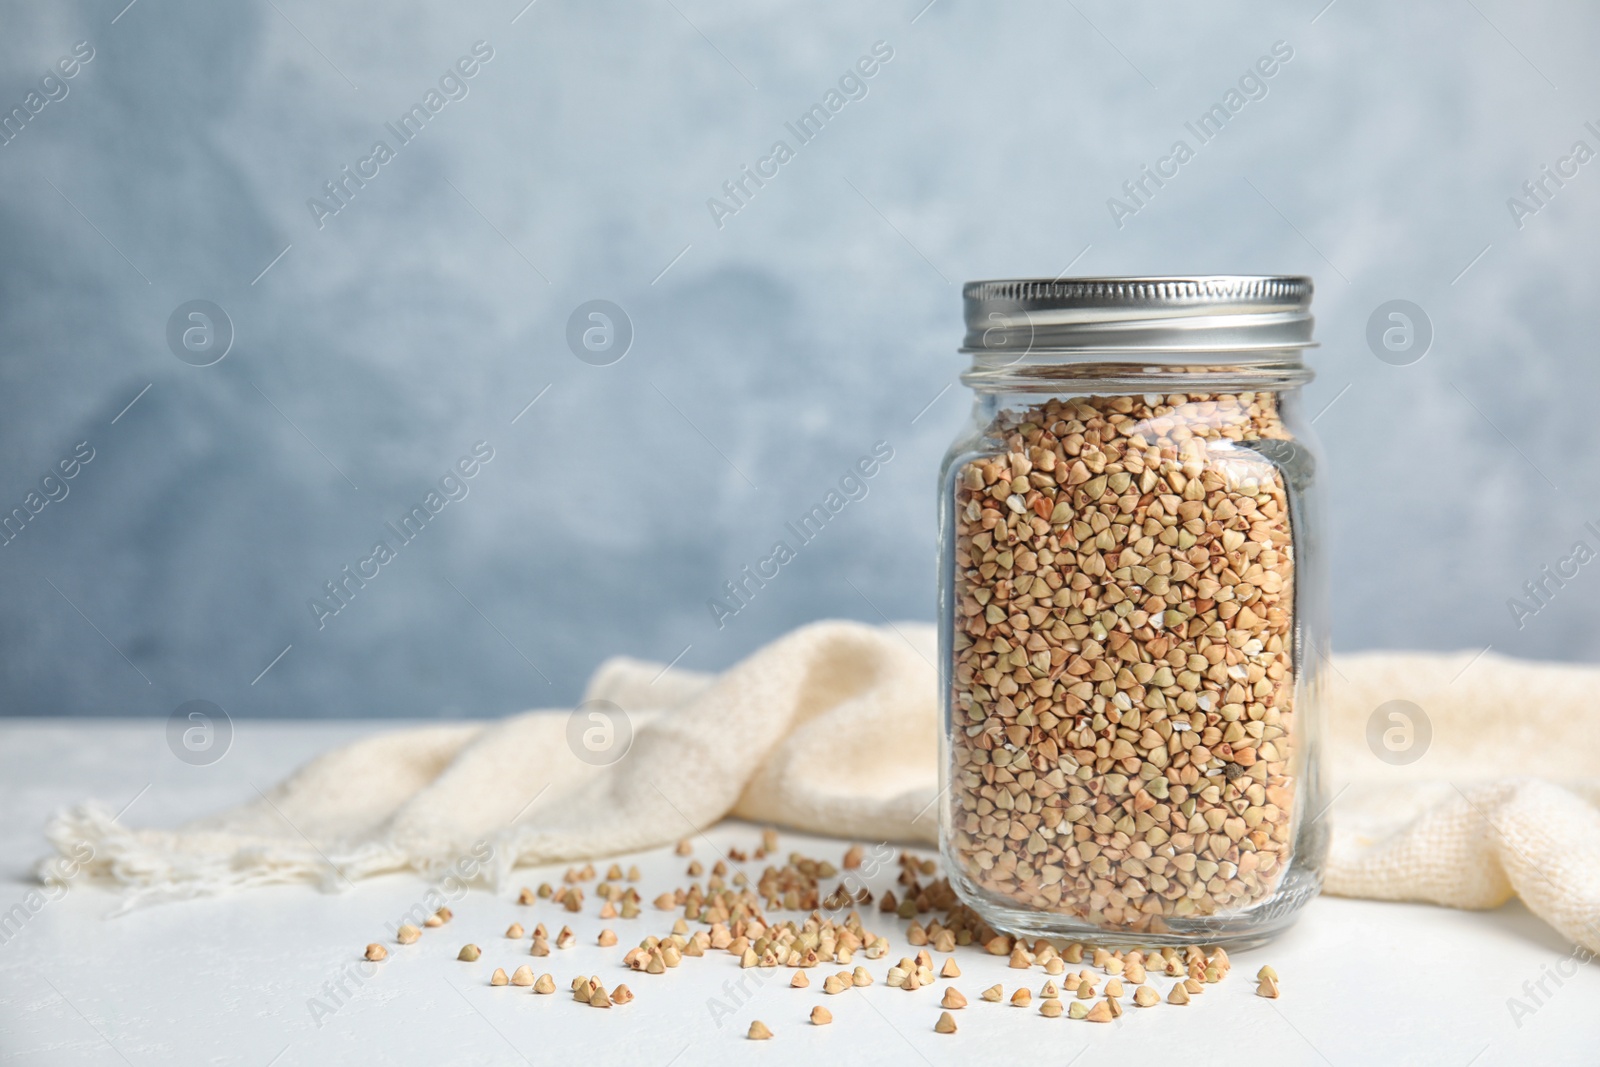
[[1236, 314]]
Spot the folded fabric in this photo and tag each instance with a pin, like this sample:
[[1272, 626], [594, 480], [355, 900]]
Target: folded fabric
[[833, 729], [1503, 801]]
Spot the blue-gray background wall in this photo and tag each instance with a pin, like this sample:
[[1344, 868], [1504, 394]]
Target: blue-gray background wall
[[769, 353]]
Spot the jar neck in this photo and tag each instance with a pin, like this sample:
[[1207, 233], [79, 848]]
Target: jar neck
[[1076, 371]]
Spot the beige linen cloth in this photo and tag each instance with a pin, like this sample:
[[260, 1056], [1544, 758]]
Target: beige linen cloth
[[833, 730]]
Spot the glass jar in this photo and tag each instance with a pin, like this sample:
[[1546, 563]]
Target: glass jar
[[1132, 612]]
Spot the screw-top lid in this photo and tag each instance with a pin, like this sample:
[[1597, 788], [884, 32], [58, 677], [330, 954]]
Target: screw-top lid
[[1224, 313]]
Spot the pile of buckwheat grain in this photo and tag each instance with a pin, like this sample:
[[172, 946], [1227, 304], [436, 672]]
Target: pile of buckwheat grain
[[733, 920], [1122, 705]]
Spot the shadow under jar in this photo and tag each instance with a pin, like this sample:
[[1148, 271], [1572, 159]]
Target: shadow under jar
[[1132, 612]]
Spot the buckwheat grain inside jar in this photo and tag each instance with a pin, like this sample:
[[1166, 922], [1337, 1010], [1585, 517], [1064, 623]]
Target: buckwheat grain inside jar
[[1131, 611]]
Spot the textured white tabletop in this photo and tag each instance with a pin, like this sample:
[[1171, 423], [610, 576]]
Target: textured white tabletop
[[254, 979]]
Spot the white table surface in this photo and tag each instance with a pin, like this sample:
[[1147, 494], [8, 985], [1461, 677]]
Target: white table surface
[[228, 980]]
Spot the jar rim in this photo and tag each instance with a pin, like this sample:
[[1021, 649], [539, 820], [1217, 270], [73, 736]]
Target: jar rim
[[1178, 315]]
